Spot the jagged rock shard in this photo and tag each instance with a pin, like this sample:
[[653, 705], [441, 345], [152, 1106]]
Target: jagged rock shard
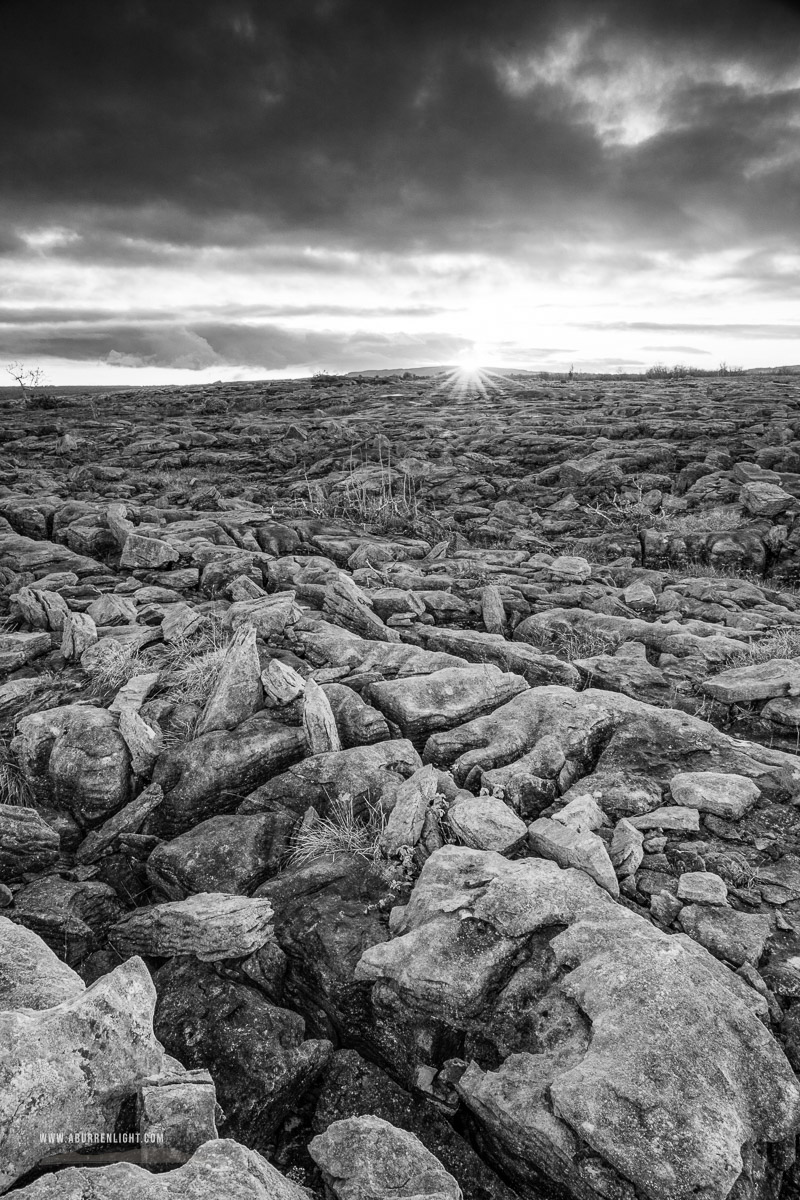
[[366, 1158], [412, 801], [647, 1032], [218, 1169], [237, 692], [319, 723], [210, 925], [70, 1067]]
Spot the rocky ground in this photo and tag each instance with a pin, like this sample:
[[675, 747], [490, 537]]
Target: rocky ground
[[401, 790]]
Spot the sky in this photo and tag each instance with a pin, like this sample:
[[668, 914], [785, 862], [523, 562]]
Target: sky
[[193, 190]]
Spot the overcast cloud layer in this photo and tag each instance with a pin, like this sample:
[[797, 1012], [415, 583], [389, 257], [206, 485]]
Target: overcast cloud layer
[[214, 189]]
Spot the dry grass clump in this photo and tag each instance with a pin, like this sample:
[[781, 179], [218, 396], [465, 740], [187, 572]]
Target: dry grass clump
[[378, 500], [119, 663], [192, 664], [783, 642], [715, 519], [341, 832], [14, 786], [573, 643]]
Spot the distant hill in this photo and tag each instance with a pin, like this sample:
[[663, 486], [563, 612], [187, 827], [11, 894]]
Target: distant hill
[[403, 371]]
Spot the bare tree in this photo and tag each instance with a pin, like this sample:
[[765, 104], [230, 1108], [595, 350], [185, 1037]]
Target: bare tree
[[27, 378]]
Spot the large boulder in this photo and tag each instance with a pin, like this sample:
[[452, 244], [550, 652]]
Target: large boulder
[[72, 916], [211, 774], [232, 853], [76, 756], [256, 1052], [617, 1055], [71, 1067], [210, 925]]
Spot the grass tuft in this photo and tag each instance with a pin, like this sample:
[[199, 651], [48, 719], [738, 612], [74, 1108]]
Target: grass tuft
[[15, 788], [341, 832]]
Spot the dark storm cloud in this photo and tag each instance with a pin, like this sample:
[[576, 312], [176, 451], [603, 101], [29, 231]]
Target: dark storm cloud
[[212, 344], [387, 123], [50, 320]]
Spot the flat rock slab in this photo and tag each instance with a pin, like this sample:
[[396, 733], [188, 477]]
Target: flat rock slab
[[733, 936], [702, 887], [17, 649], [210, 925], [761, 681], [727, 796], [671, 816], [423, 704]]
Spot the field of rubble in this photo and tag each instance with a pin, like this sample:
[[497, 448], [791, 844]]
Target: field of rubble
[[400, 790]]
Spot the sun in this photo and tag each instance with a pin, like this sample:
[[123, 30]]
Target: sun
[[470, 365]]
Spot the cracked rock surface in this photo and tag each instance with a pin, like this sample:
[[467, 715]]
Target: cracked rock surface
[[401, 790]]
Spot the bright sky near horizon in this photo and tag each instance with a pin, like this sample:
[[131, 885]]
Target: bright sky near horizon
[[223, 189]]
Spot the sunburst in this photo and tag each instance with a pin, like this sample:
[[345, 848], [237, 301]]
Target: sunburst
[[470, 379]]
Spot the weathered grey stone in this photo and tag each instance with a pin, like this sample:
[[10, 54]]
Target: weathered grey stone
[[702, 887], [71, 1066], [366, 1158], [407, 818], [233, 854], [671, 816], [623, 996], [735, 936], [31, 976], [422, 704], [208, 776], [758, 681], [319, 723], [728, 796], [571, 846], [209, 925], [17, 649], [143, 551], [626, 850], [27, 843], [128, 820], [237, 692]]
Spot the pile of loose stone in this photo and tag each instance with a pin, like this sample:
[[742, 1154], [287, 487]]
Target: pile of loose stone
[[397, 803]]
